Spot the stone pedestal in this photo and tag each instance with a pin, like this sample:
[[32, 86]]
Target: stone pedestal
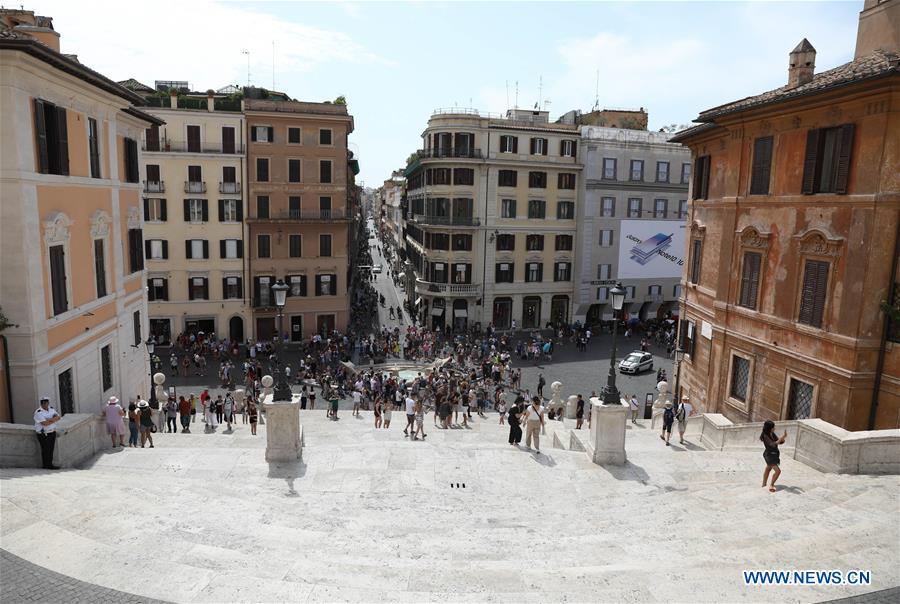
[[608, 432], [283, 438], [572, 407]]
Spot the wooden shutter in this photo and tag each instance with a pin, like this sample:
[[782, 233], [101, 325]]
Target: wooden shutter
[[62, 141], [193, 141], [187, 249], [239, 206], [812, 295], [146, 209], [222, 211], [562, 145], [162, 210], [762, 166], [165, 249], [58, 277], [151, 135], [224, 288], [147, 249], [165, 289], [190, 289], [204, 205], [40, 132], [574, 149], [153, 172], [206, 288], [221, 248], [515, 144], [531, 151], [704, 189], [695, 189], [205, 249], [227, 140], [750, 279], [546, 146], [187, 210], [843, 161], [253, 133], [240, 248], [271, 134], [810, 161], [695, 261]]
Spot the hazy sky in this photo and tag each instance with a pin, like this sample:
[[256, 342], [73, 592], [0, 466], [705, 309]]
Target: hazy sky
[[397, 61]]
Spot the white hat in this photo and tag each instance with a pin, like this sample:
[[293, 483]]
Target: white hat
[[668, 404], [112, 400], [143, 404], [685, 398], [45, 398]]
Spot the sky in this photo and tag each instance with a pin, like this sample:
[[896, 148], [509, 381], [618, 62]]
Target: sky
[[395, 62]]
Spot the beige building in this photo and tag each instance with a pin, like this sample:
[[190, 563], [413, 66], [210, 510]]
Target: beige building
[[71, 262], [392, 193], [192, 183]]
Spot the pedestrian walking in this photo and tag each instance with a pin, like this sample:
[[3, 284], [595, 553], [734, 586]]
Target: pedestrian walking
[[45, 418], [133, 420], [184, 410], [420, 421], [171, 411], [633, 405], [685, 410], [534, 423], [501, 409], [668, 420], [115, 424], [253, 413], [540, 385], [771, 454], [410, 416], [145, 419], [388, 411], [515, 430], [579, 412], [228, 410]]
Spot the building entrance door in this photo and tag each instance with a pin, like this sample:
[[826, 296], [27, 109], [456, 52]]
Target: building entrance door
[[531, 313], [297, 328], [236, 329], [324, 324], [265, 328]]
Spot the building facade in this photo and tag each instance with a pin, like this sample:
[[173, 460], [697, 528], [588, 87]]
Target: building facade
[[71, 261], [491, 219], [631, 223], [193, 178], [300, 215], [793, 243], [393, 192]]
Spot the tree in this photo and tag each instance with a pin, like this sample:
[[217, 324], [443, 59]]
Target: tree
[[341, 100]]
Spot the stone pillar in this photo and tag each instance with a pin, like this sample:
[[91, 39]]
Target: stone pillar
[[282, 429], [572, 406], [608, 432]]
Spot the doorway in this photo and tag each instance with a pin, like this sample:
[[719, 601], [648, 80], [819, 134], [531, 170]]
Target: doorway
[[531, 312], [325, 324], [265, 328], [236, 329], [502, 313], [559, 310], [297, 328]]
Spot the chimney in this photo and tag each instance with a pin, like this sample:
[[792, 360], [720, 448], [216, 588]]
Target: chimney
[[802, 64], [879, 27]]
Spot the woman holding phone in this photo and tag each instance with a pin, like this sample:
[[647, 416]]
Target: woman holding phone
[[771, 454]]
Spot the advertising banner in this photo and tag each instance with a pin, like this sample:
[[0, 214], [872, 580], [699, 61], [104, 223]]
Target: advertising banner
[[651, 249]]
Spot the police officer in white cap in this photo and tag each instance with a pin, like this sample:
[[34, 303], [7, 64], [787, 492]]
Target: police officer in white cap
[[45, 418]]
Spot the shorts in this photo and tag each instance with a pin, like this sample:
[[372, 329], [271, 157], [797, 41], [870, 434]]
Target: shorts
[[772, 458], [145, 429]]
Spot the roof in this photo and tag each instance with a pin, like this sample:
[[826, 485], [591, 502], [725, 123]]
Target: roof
[[876, 65], [803, 46], [693, 130], [134, 85], [143, 115]]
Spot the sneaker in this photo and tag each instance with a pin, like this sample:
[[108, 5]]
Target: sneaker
[[151, 446], [536, 452]]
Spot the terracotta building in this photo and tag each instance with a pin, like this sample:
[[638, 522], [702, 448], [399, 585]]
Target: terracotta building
[[71, 246], [300, 179], [793, 242]]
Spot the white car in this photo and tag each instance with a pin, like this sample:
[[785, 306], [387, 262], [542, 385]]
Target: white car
[[636, 362], [376, 269]]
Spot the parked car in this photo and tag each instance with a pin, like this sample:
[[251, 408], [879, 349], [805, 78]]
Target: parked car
[[636, 362], [376, 269]]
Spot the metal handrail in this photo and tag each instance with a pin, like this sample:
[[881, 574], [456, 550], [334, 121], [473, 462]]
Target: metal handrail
[[169, 146], [302, 214], [154, 186], [450, 152], [229, 187], [194, 186], [447, 220]]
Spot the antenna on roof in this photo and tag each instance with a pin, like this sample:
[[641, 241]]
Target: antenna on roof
[[597, 93], [273, 64], [247, 52], [540, 92], [517, 94], [507, 95]]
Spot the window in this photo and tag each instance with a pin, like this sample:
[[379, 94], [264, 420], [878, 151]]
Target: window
[[196, 210], [196, 249], [537, 208], [565, 180], [762, 166], [662, 171], [262, 246], [438, 241], [537, 180], [634, 207], [565, 210], [509, 144], [230, 210], [676, 291], [157, 289], [193, 139], [153, 179], [654, 290], [324, 245], [701, 178], [154, 209], [539, 146], [231, 249], [262, 169], [262, 291], [326, 285], [195, 180], [507, 208], [438, 176], [685, 173], [812, 295], [135, 250], [696, 255], [262, 134], [682, 209], [297, 284], [106, 381], [198, 288], [750, 279], [506, 242], [604, 272], [132, 170], [462, 273], [294, 206], [637, 169], [534, 272], [563, 243], [136, 328], [100, 267], [507, 178], [602, 294], [58, 279], [504, 272], [228, 145], [293, 170], [461, 242], [463, 176], [687, 336], [800, 399], [740, 377], [295, 243], [606, 237], [608, 207], [629, 292], [660, 208], [262, 206], [438, 272], [567, 148], [324, 170], [232, 288], [325, 136], [826, 164], [51, 132], [94, 147], [609, 168], [534, 242], [563, 271], [151, 138], [294, 136]]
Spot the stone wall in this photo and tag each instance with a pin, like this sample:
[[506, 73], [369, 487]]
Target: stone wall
[[79, 437]]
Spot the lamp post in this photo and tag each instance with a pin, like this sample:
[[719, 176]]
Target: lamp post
[[679, 354], [610, 393], [151, 347], [282, 388]]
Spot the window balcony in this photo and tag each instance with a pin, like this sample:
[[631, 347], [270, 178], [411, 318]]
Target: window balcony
[[191, 186], [471, 221], [229, 187], [304, 215], [450, 152], [168, 146], [453, 289], [154, 186]]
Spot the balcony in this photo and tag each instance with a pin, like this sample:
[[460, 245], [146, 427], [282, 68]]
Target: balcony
[[453, 289], [167, 146], [304, 215], [191, 186], [154, 186], [229, 187], [470, 221], [450, 152]]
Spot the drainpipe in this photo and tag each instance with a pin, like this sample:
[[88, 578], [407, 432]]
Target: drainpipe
[[876, 389], [484, 233], [5, 345]]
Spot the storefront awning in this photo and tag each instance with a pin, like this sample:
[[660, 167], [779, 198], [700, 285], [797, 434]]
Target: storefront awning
[[436, 312], [582, 309], [650, 309], [460, 312]]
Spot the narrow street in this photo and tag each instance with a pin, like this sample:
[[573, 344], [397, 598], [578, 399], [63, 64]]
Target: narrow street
[[385, 286]]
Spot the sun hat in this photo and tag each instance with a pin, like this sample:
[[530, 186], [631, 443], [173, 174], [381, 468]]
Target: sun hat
[[685, 398], [112, 400], [143, 404], [668, 404]]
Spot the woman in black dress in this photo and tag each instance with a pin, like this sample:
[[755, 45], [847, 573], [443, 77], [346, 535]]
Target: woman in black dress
[[771, 454]]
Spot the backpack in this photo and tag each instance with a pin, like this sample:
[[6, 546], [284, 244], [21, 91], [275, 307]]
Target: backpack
[[668, 416]]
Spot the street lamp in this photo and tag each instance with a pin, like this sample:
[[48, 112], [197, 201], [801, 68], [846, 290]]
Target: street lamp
[[679, 355], [282, 388], [151, 347], [610, 393]]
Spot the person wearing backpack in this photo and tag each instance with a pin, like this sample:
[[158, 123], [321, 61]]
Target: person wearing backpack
[[684, 411], [668, 420]]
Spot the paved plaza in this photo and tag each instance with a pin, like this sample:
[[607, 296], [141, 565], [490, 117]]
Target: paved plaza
[[462, 516]]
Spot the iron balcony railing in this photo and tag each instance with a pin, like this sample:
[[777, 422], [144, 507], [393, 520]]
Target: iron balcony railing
[[447, 220], [167, 146], [191, 186], [452, 152], [154, 186], [229, 187], [332, 214], [430, 287]]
